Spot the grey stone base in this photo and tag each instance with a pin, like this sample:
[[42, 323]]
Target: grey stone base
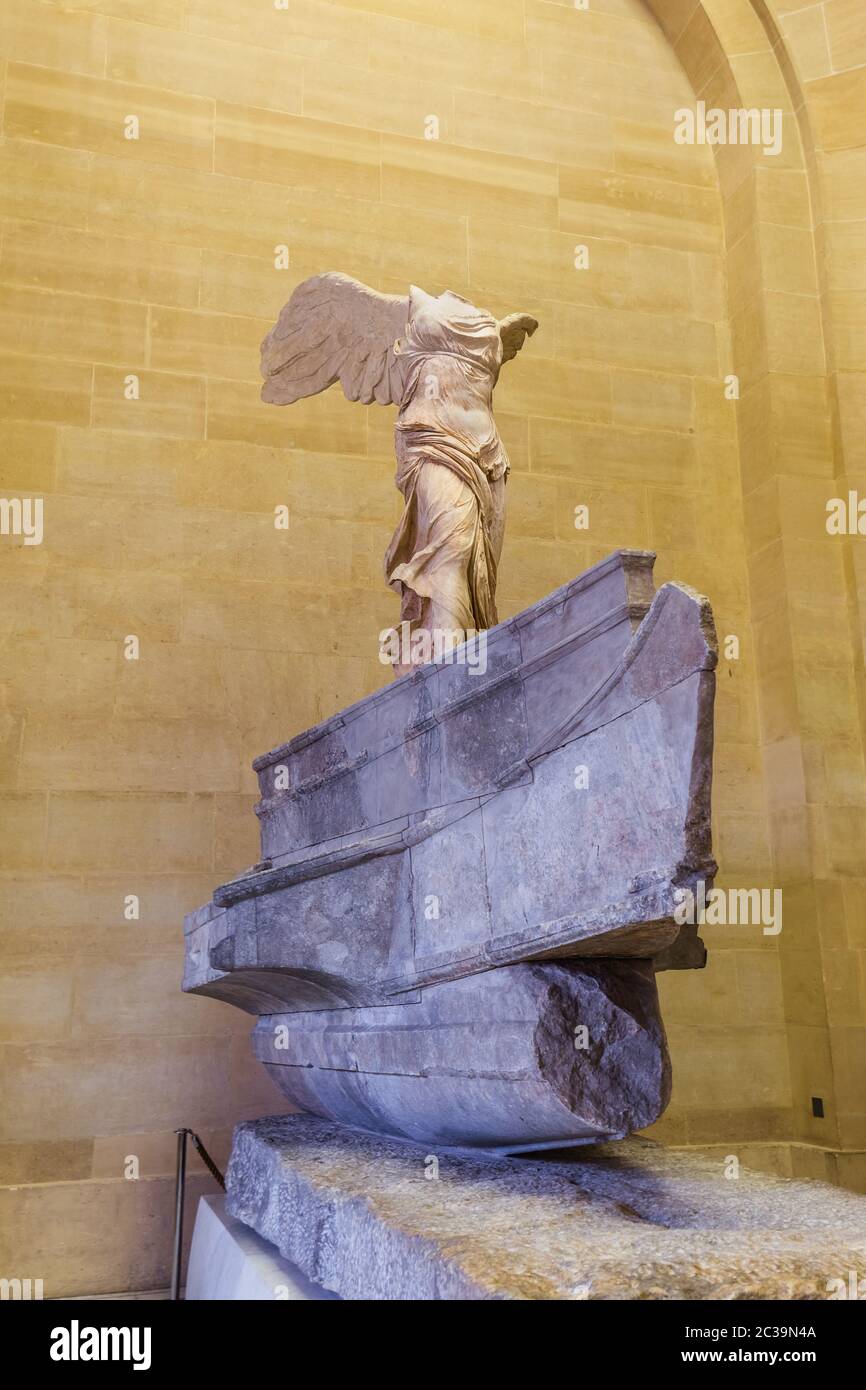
[[376, 1218]]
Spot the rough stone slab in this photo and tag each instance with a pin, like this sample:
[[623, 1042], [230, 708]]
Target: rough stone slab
[[634, 1220]]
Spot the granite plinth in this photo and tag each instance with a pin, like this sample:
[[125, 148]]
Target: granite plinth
[[376, 1218]]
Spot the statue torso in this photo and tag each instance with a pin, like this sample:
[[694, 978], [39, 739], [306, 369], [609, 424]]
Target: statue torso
[[452, 353]]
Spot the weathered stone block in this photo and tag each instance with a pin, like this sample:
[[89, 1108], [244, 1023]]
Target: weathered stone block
[[372, 1218]]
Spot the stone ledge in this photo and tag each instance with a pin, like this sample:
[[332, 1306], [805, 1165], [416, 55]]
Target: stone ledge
[[633, 1220]]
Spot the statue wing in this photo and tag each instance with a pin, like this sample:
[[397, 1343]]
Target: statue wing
[[335, 329], [514, 331]]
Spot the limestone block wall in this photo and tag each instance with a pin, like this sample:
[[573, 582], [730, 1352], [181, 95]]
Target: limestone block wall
[[137, 277], [794, 271]]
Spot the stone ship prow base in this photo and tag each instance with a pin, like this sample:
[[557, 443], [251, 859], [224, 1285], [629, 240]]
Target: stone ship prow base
[[469, 878]]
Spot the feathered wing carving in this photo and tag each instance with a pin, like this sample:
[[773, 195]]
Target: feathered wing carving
[[332, 329], [514, 331]]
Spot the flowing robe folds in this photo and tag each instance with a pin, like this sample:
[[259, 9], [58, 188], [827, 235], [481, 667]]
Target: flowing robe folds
[[451, 467]]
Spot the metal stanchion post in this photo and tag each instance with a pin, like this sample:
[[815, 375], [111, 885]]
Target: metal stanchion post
[[179, 1192], [178, 1212]]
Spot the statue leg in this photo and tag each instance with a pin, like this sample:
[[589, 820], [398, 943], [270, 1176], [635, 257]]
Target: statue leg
[[497, 516], [437, 571]]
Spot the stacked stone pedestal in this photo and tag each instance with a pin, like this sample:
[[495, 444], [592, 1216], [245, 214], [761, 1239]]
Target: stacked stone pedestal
[[469, 879]]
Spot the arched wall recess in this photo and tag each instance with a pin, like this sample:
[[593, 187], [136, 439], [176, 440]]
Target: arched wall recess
[[795, 230]]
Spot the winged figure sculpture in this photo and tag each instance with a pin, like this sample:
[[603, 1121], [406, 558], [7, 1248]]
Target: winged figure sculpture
[[438, 359]]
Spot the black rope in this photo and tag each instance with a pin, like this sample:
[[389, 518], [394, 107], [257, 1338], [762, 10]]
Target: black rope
[[206, 1159]]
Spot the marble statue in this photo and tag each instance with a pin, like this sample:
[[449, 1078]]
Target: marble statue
[[438, 358], [468, 882], [469, 879]]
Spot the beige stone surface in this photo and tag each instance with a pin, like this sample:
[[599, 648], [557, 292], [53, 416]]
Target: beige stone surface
[[94, 1235], [87, 113]]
